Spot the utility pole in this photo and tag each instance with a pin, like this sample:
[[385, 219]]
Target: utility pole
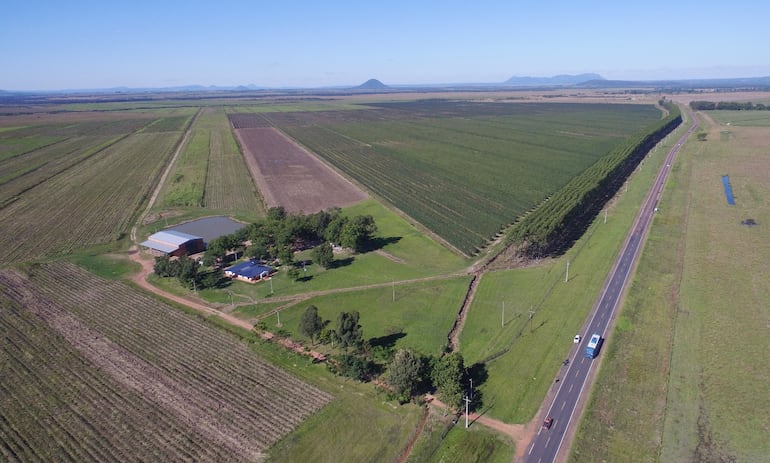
[[278, 314], [394, 290], [531, 314], [566, 277], [502, 324], [605, 215], [467, 401], [271, 285]]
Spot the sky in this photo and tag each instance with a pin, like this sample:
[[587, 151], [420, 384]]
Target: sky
[[78, 44]]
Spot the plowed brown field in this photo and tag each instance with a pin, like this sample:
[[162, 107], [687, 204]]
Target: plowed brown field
[[290, 176]]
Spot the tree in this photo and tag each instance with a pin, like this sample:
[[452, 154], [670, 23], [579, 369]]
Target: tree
[[333, 231], [404, 372], [257, 250], [349, 332], [163, 267], [293, 273], [276, 214], [216, 249], [357, 232], [188, 272], [323, 254], [212, 278], [310, 324], [285, 254], [447, 374], [352, 366]]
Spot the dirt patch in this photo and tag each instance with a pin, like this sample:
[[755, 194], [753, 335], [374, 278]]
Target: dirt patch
[[389, 256], [290, 176]]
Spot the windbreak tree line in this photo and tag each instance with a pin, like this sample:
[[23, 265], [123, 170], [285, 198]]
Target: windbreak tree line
[[560, 220], [728, 105]]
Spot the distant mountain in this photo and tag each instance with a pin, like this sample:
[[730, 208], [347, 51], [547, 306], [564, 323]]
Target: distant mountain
[[732, 83], [372, 84], [560, 80]]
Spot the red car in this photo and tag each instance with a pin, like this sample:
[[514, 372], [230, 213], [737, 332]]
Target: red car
[[547, 423]]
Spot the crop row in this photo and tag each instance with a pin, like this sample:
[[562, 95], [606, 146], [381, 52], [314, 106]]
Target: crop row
[[87, 203], [52, 149], [229, 185], [466, 178], [57, 406], [265, 402], [170, 123], [23, 172], [557, 222]]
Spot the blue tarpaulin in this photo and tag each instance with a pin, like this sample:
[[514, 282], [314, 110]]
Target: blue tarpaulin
[[728, 190]]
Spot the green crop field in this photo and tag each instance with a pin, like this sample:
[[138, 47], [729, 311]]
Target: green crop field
[[681, 380], [465, 170]]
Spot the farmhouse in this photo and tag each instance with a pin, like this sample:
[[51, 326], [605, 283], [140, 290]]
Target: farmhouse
[[251, 271], [174, 243]]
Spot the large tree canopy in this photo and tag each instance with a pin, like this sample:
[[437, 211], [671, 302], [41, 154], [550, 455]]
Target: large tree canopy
[[404, 371], [447, 375]]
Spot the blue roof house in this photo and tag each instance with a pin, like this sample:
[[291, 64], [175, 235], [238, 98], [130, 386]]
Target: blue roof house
[[251, 271]]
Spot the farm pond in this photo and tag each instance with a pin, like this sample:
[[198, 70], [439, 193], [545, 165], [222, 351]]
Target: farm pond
[[209, 228]]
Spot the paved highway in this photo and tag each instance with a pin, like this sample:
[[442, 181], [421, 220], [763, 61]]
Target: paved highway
[[573, 377]]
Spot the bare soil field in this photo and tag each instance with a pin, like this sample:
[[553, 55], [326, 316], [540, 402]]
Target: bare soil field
[[291, 177]]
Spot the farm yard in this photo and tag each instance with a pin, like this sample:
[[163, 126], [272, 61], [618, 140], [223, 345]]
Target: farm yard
[[128, 378]]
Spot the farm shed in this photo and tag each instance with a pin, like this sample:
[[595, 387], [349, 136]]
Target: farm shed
[[251, 271], [174, 243]]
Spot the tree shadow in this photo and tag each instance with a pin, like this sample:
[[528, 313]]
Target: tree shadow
[[223, 282], [379, 243], [337, 263], [387, 341], [477, 375]]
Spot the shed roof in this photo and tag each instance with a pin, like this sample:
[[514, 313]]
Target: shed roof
[[249, 269], [172, 237], [158, 246], [168, 241]]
